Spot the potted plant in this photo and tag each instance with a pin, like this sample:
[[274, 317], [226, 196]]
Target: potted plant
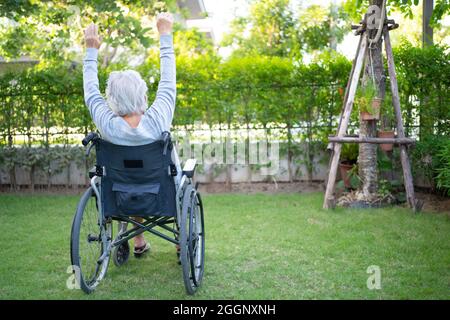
[[387, 123], [349, 156], [368, 102]]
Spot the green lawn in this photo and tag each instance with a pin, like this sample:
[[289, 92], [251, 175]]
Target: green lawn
[[280, 246]]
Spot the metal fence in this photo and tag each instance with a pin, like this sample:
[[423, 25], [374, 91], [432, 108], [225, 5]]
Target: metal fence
[[40, 133]]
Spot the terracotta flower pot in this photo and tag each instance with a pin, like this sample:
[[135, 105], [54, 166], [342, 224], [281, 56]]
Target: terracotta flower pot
[[344, 168], [386, 147], [376, 106]]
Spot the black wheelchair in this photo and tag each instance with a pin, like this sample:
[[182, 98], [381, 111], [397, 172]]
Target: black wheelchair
[[136, 181]]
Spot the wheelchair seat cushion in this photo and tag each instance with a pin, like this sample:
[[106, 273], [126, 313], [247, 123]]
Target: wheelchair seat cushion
[[136, 180]]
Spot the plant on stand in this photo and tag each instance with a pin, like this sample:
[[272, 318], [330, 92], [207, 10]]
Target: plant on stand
[[387, 123], [347, 166], [368, 102]]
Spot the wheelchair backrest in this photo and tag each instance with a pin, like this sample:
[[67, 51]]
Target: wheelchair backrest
[[137, 180]]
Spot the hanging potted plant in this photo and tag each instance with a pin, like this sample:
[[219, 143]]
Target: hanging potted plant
[[387, 123], [368, 102], [349, 156]]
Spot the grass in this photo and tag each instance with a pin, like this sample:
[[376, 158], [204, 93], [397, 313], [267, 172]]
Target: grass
[[280, 246]]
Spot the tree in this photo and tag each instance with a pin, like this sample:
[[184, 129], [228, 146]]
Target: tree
[[373, 73], [271, 30], [50, 30], [356, 8], [274, 28], [321, 27]]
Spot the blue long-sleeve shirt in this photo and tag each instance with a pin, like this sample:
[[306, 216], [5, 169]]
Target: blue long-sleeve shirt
[[155, 120]]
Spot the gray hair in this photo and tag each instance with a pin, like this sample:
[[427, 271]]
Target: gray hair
[[126, 92]]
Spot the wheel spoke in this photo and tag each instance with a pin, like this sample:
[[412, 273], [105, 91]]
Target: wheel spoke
[[193, 235], [90, 244]]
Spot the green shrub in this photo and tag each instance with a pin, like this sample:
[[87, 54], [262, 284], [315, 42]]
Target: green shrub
[[349, 152], [443, 169], [424, 79], [255, 91], [431, 158]]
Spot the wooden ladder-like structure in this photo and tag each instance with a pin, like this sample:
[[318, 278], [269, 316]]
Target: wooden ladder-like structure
[[335, 142]]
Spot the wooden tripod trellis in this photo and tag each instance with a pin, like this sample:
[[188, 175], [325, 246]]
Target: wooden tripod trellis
[[335, 142]]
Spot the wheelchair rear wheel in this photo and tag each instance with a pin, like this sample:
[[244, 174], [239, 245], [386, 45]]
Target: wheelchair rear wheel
[[88, 243], [192, 240]]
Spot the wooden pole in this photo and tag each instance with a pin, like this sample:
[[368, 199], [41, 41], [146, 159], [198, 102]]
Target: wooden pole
[[331, 145], [407, 176], [329, 193]]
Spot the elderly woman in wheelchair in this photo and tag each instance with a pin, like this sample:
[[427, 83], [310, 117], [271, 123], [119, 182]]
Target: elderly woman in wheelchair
[[137, 178]]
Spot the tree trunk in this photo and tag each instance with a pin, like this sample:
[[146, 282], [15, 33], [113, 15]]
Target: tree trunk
[[68, 177], [427, 31], [426, 126], [289, 151], [228, 158], [249, 167], [333, 26], [245, 97], [309, 138], [373, 71], [32, 184], [212, 165], [309, 155], [12, 178]]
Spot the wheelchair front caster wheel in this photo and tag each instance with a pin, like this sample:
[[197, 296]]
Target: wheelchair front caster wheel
[[121, 254]]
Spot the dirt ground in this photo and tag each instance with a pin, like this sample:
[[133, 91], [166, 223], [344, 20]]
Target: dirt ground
[[432, 202], [263, 187]]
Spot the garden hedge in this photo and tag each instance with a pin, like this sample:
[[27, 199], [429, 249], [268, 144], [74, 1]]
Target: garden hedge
[[45, 105]]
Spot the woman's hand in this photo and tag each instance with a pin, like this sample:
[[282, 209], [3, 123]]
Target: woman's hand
[[164, 22], [91, 36]]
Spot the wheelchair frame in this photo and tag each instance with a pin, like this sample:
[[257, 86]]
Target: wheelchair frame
[[182, 237]]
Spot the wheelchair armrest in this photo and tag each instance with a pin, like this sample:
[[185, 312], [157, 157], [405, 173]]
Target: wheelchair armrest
[[189, 167], [92, 172], [96, 171]]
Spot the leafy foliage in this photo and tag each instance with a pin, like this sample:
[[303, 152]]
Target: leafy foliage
[[319, 24], [263, 91], [424, 81], [349, 152], [442, 7], [48, 30], [443, 171], [263, 84], [273, 28], [364, 97], [431, 159]]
